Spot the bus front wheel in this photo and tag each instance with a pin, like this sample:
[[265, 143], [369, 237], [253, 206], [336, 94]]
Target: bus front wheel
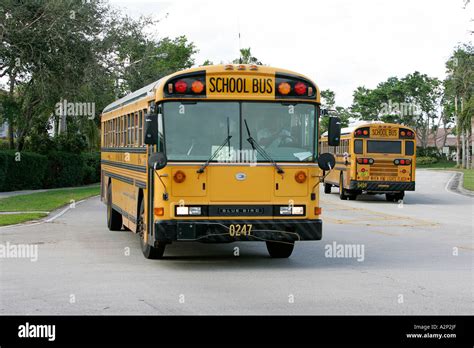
[[280, 250], [327, 188], [114, 218], [395, 197], [150, 252]]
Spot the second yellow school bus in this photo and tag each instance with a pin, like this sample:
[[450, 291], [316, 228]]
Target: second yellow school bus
[[216, 154], [373, 158]]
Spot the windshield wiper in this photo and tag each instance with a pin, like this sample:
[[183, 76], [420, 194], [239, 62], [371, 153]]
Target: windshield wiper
[[227, 141], [261, 151]]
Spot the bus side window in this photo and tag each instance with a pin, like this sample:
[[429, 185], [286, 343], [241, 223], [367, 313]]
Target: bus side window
[[358, 146], [409, 148]]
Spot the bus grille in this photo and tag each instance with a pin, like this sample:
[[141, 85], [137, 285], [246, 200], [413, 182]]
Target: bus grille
[[383, 167]]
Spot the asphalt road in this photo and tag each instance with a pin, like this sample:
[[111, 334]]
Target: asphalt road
[[418, 259]]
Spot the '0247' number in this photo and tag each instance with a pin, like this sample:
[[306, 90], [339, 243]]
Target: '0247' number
[[236, 230]]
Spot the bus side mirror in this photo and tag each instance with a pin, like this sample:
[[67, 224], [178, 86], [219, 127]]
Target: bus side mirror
[[157, 161], [151, 129], [326, 161], [334, 131]]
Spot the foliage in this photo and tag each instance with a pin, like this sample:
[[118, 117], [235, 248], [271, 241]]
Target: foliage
[[91, 167], [246, 58], [328, 102], [426, 160], [21, 171], [412, 100], [27, 170], [430, 151], [78, 51]]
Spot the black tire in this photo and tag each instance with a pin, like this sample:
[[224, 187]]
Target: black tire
[[280, 250], [148, 251], [114, 218], [342, 191], [390, 197], [327, 188], [352, 196], [399, 196]]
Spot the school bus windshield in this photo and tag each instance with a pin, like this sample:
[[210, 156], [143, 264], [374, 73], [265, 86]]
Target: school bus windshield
[[195, 130]]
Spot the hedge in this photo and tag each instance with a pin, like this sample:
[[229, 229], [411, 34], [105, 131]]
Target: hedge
[[426, 160], [29, 170], [22, 170]]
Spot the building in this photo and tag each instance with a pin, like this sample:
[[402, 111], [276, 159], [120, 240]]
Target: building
[[4, 130]]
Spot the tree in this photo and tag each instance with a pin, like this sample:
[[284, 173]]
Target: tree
[[328, 102], [459, 91], [246, 58], [79, 51], [412, 100]]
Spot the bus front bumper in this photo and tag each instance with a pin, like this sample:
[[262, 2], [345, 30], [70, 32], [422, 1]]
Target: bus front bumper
[[382, 186], [219, 231]]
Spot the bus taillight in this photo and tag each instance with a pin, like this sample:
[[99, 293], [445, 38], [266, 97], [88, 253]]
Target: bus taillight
[[365, 161], [362, 133], [181, 86], [402, 162], [300, 88], [284, 88], [197, 86]]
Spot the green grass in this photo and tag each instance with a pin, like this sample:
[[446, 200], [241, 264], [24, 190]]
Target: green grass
[[47, 201], [12, 219], [468, 182]]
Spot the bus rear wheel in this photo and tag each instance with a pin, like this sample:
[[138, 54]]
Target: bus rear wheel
[[114, 218], [327, 188], [150, 252], [280, 250], [342, 191]]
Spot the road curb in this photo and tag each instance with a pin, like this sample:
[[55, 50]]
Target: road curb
[[455, 184]]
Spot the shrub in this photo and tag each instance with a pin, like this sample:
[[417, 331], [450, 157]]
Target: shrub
[[91, 167], [426, 160], [64, 169], [429, 152], [22, 170]]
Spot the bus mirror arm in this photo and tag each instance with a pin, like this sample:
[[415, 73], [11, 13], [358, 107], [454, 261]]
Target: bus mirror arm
[[157, 161]]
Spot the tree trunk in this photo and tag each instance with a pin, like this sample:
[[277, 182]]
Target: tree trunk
[[458, 132], [472, 144], [463, 161], [11, 133]]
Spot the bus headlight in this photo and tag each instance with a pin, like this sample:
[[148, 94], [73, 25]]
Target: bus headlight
[[183, 211], [288, 210], [194, 210]]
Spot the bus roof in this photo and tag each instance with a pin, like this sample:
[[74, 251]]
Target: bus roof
[[152, 90], [129, 98], [351, 129]]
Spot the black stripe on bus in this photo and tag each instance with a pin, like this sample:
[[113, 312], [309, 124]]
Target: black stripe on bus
[[136, 168], [124, 213], [124, 179], [123, 149]]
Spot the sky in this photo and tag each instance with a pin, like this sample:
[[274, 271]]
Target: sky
[[339, 44]]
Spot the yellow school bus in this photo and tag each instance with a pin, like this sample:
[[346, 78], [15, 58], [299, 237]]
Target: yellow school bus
[[373, 158], [216, 154]]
